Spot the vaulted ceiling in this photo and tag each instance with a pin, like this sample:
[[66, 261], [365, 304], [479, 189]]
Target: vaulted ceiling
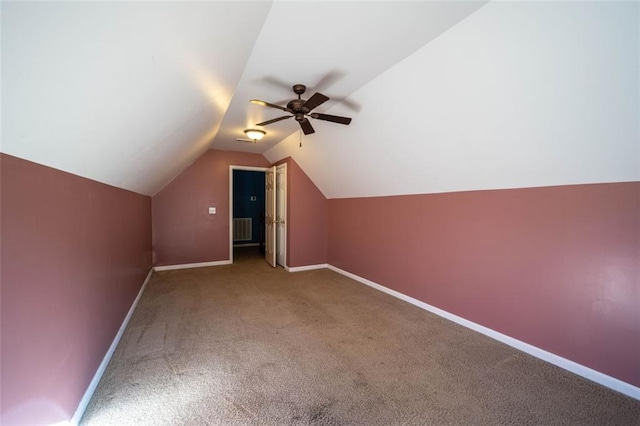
[[444, 96]]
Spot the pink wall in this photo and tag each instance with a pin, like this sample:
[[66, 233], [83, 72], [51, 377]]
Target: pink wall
[[183, 231], [75, 253], [556, 267], [308, 220], [307, 210]]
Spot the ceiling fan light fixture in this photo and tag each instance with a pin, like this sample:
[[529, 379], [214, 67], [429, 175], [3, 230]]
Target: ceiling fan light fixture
[[255, 134]]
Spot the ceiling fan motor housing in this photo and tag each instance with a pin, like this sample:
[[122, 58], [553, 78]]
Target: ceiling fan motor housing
[[296, 105]]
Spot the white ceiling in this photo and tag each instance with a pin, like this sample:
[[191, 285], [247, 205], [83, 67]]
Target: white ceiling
[[331, 47], [445, 96], [516, 95], [131, 93], [125, 93]]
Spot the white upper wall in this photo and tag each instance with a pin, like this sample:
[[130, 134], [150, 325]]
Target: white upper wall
[[516, 95], [125, 93]]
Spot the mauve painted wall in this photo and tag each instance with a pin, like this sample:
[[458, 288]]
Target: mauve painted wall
[[183, 231], [556, 267], [75, 253], [307, 219], [307, 210]]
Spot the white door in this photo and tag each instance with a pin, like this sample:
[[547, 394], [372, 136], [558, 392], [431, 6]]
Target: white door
[[281, 214], [270, 217]]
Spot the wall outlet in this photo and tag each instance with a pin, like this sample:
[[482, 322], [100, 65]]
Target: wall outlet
[[212, 210]]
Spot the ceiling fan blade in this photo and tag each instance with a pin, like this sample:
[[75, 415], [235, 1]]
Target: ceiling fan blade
[[306, 126], [263, 103], [316, 100], [275, 81], [332, 118], [329, 79], [352, 105], [264, 123]]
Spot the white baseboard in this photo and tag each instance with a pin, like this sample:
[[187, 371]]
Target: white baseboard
[[306, 267], [574, 367], [192, 265], [82, 406], [246, 245]]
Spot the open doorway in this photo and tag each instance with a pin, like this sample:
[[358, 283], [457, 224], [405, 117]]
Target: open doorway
[[257, 226], [248, 212]]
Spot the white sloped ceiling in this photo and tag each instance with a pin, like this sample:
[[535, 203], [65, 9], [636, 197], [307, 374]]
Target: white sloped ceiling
[[125, 93], [333, 48], [444, 96], [130, 93], [516, 95]]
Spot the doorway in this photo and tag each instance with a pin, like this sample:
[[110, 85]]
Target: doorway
[[248, 209], [257, 226]]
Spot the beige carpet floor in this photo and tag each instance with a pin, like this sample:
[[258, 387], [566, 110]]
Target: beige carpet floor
[[247, 344]]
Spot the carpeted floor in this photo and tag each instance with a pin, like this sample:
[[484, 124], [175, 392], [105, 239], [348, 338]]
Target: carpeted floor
[[248, 344]]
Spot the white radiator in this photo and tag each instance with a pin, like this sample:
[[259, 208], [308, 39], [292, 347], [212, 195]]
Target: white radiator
[[242, 229]]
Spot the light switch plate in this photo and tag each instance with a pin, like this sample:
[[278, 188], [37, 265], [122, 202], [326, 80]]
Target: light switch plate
[[212, 210]]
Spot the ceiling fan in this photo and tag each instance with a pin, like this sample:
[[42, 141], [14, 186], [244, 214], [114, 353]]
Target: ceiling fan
[[300, 109]]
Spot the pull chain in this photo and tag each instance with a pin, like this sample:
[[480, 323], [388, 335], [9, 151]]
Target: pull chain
[[300, 133]]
